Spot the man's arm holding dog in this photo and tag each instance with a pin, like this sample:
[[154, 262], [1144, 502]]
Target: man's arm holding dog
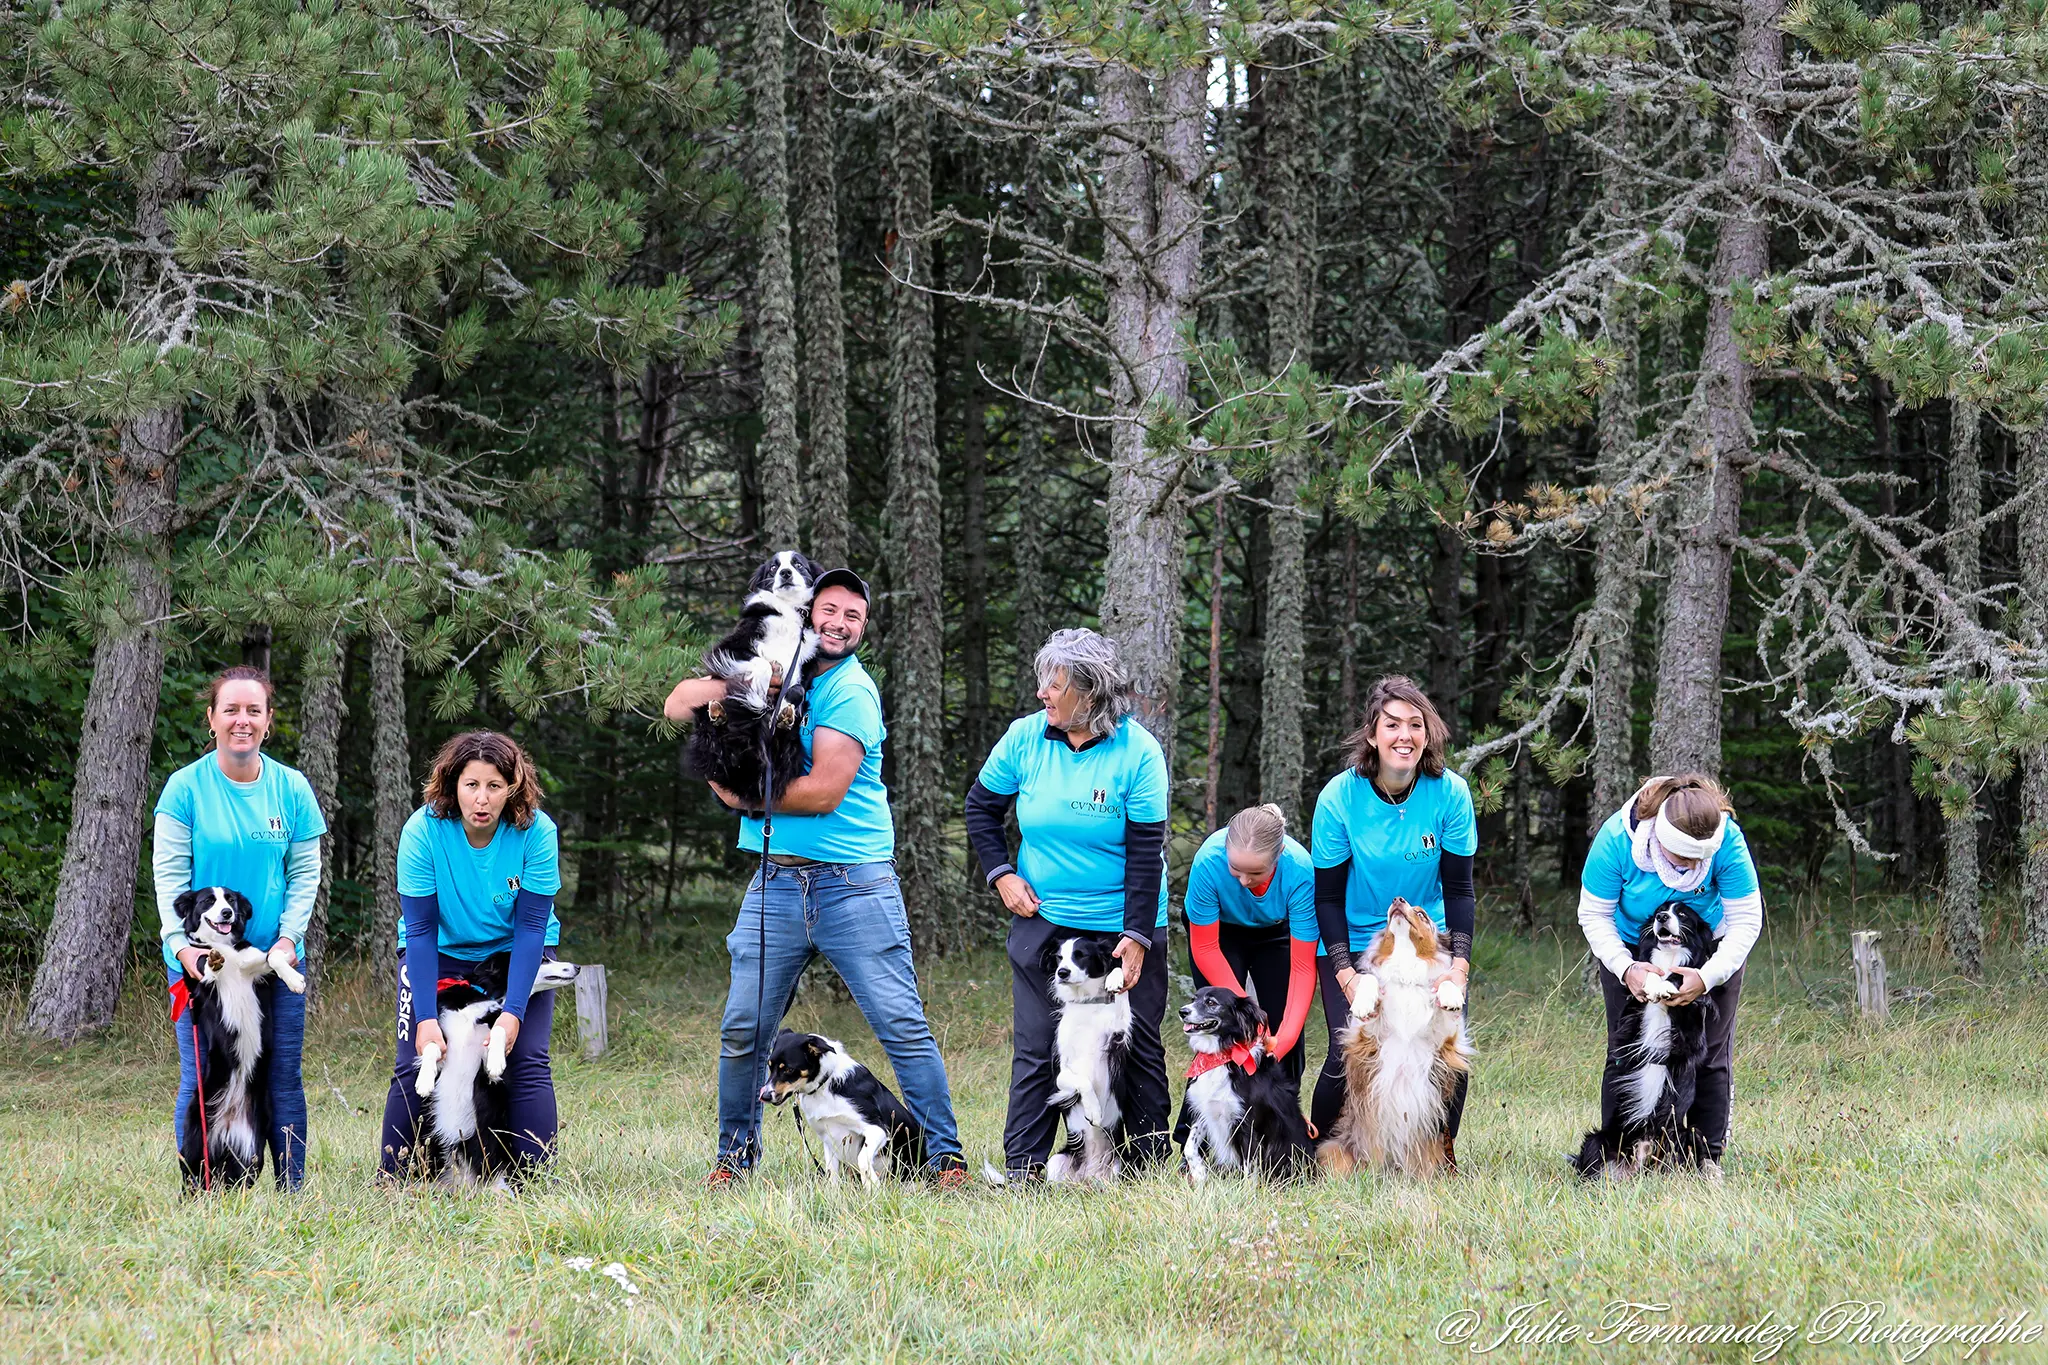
[[835, 762]]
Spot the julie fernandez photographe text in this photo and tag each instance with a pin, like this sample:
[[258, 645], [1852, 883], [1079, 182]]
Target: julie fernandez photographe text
[[1627, 1322]]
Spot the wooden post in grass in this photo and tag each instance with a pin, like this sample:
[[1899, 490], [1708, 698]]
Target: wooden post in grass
[[590, 1009], [1873, 1001]]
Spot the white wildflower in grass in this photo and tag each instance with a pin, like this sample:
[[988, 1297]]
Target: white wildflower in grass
[[580, 1263], [617, 1274]]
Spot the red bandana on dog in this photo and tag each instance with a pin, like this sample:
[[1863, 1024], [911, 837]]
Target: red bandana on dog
[[1243, 1055]]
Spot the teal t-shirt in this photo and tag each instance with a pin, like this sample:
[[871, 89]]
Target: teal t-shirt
[[1395, 848], [859, 829], [1214, 895], [242, 834], [1611, 874], [477, 886], [1071, 808]]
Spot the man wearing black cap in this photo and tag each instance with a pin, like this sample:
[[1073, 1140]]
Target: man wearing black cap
[[830, 888]]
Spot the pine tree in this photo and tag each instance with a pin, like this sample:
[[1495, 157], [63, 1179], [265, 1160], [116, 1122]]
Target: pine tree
[[301, 208]]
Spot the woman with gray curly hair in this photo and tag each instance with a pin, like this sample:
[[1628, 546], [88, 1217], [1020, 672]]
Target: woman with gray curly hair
[[1090, 786]]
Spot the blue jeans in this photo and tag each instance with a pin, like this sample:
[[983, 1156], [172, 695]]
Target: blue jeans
[[853, 914], [284, 1040]]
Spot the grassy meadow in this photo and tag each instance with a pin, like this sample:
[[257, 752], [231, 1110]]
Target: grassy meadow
[[1905, 1164]]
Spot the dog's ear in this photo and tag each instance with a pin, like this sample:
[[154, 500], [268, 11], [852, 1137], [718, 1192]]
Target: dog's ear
[[814, 1045], [813, 570], [1049, 957], [245, 910], [186, 908]]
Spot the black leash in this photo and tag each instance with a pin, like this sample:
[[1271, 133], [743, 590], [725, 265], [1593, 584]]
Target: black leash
[[803, 1137], [792, 696]]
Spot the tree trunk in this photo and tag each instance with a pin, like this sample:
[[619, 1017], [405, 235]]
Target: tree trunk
[[1213, 773], [1617, 576], [322, 706], [916, 632], [1685, 728], [86, 950], [1153, 256], [2033, 556], [973, 538], [1030, 470], [391, 782], [1290, 336], [1347, 685], [774, 319], [1905, 802], [1962, 912], [256, 646], [820, 309]]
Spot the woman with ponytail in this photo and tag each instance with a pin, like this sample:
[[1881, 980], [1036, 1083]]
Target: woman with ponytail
[[1675, 841], [1251, 908]]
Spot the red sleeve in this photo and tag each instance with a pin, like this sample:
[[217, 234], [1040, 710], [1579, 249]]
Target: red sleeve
[[1209, 959], [1301, 989]]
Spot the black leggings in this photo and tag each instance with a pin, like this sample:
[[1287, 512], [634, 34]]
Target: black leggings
[[1328, 1103], [1262, 958]]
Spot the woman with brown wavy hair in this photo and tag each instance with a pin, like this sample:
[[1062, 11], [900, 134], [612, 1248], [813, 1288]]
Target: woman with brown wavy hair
[[1398, 822], [478, 869]]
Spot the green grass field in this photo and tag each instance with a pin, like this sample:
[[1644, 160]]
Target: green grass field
[[1905, 1165]]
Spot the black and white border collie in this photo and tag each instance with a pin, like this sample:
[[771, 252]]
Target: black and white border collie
[[860, 1121], [1241, 1111], [728, 738], [1662, 1047], [467, 1111], [234, 1073], [1091, 1044]]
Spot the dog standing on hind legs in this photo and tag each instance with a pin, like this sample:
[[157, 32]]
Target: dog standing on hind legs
[[1405, 1053], [229, 1115], [1091, 1045]]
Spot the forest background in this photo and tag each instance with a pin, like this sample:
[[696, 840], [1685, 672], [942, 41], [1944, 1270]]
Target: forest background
[[1659, 384]]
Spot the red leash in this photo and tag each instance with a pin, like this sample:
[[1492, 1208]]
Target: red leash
[[181, 996]]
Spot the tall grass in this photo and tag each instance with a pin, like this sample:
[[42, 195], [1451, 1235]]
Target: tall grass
[[1903, 1163]]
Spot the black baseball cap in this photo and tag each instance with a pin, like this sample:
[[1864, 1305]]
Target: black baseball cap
[[841, 578]]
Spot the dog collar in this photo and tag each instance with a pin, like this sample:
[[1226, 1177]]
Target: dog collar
[[445, 982], [1244, 1056]]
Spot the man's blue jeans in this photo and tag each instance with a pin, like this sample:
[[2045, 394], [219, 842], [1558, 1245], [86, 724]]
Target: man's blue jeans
[[853, 914], [284, 1038]]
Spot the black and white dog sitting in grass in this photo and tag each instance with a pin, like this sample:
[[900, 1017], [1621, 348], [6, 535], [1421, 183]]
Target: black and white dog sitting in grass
[[1653, 1060], [467, 1111], [1241, 1111], [773, 639], [230, 1113], [1091, 1044], [860, 1121]]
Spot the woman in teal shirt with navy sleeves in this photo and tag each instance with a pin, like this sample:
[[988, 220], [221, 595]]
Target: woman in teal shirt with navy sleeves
[[239, 819], [478, 869], [1398, 822], [1090, 788]]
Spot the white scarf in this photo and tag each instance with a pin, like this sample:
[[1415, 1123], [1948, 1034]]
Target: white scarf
[[1647, 845]]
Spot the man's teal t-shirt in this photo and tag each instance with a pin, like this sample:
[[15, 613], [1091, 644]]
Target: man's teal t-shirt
[[1395, 848], [1611, 874], [477, 886], [242, 834], [859, 829], [1071, 809], [1214, 895]]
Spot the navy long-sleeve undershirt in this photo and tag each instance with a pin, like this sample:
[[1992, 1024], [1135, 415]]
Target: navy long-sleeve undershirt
[[530, 912]]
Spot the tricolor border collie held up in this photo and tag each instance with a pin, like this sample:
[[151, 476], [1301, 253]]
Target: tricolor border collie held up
[[1242, 1112], [1091, 1044], [729, 738], [1403, 1053], [1656, 1052], [225, 1125], [860, 1121]]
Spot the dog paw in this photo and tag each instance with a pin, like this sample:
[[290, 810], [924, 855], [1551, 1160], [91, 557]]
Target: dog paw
[[716, 711], [1450, 994], [1365, 996], [430, 1062], [785, 717], [1658, 988], [1114, 982], [494, 1058]]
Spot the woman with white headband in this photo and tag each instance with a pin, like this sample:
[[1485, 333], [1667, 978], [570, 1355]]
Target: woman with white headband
[[1676, 840]]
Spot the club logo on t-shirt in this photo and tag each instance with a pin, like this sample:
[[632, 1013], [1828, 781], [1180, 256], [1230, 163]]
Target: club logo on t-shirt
[[512, 883], [1428, 849], [1428, 842], [1098, 804], [272, 831]]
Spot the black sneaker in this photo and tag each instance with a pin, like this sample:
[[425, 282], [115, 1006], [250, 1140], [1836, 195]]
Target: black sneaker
[[949, 1173]]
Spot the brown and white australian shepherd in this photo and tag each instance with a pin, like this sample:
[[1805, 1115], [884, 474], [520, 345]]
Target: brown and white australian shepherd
[[1403, 1053]]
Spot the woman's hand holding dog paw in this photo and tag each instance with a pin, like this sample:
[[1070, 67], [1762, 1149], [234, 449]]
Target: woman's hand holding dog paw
[[508, 1026], [1450, 994], [1131, 953], [1018, 897], [1364, 994], [429, 1031], [193, 960], [1635, 976], [1691, 986]]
